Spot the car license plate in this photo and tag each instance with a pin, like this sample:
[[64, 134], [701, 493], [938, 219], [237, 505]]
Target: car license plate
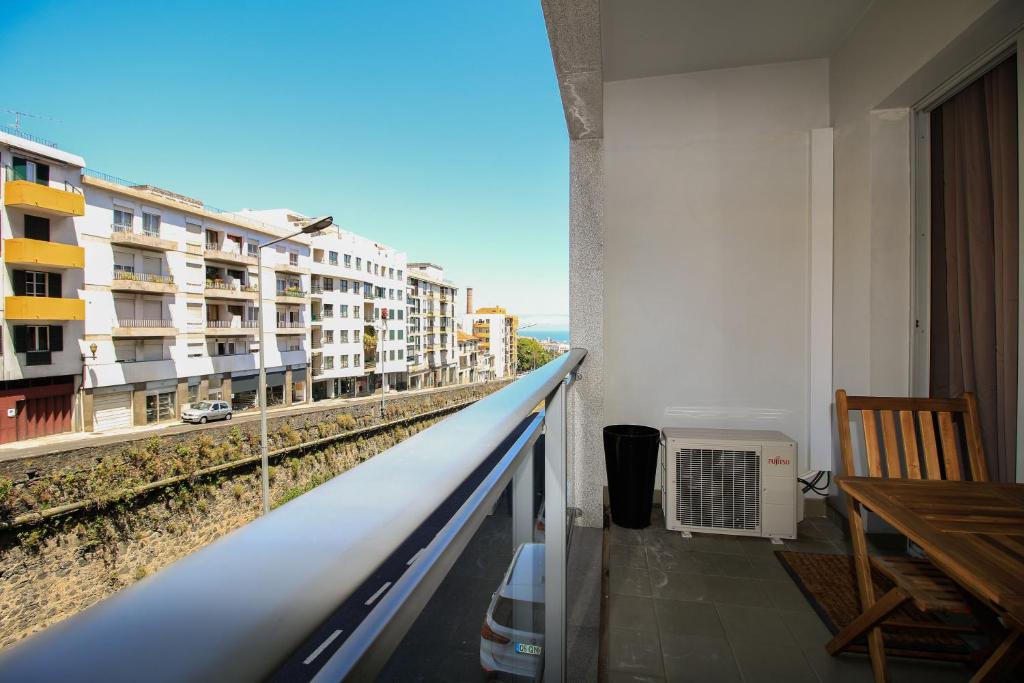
[[528, 649]]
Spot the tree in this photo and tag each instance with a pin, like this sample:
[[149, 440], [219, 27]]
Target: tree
[[531, 354]]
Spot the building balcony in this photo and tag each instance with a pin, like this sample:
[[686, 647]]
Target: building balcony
[[215, 252], [43, 308], [130, 327], [124, 281], [291, 327], [61, 201], [291, 268], [316, 291], [231, 328], [29, 252], [128, 236], [230, 290], [291, 296]]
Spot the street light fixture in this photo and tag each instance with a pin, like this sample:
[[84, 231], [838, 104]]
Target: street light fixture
[[313, 226]]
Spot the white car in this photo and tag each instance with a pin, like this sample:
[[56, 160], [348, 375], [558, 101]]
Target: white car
[[512, 637], [205, 411]]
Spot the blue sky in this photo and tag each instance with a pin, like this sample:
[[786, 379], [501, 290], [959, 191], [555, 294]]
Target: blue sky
[[435, 127]]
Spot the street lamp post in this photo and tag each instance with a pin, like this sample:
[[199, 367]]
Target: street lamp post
[[315, 225]]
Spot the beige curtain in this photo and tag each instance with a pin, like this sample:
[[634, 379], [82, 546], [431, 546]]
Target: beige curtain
[[974, 281]]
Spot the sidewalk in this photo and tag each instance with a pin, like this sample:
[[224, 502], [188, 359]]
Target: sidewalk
[[72, 440]]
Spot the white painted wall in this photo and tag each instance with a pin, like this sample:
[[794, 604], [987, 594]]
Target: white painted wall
[[706, 289]]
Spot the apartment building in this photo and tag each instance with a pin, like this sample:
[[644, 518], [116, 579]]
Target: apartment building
[[432, 351], [172, 292], [497, 331], [473, 364], [357, 302], [43, 270]]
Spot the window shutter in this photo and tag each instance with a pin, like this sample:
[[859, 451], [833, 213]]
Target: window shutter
[[20, 338], [56, 338], [55, 290], [19, 283]]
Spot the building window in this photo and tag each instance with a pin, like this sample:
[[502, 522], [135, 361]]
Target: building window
[[343, 311], [123, 218], [401, 334], [343, 361], [37, 338], [400, 313], [254, 247], [391, 335], [151, 224], [328, 362], [25, 169], [332, 258], [281, 285], [357, 312], [348, 260], [359, 263], [293, 258], [328, 284], [391, 273], [328, 310], [357, 360], [401, 354], [343, 336], [343, 286], [36, 283], [160, 407], [328, 336]]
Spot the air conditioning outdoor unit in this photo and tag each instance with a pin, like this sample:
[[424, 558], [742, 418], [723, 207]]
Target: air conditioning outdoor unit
[[728, 481]]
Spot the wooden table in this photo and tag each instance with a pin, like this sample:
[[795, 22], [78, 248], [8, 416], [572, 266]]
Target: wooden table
[[972, 531]]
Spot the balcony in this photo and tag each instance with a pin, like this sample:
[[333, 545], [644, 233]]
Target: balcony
[[126, 235], [29, 252], [231, 328], [291, 296], [43, 308], [291, 327], [227, 254], [58, 200], [134, 328], [291, 268], [233, 289], [316, 291], [125, 281]]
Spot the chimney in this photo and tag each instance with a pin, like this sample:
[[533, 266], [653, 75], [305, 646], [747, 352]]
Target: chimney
[[469, 300]]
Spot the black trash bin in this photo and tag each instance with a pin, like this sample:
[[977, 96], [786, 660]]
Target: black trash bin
[[631, 459]]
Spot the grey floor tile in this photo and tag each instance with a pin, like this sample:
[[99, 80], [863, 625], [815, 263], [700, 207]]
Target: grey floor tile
[[582, 654], [632, 613], [734, 591], [916, 671], [785, 595], [618, 677], [683, 561], [812, 546], [630, 580], [743, 623], [634, 652], [688, 618], [677, 586], [730, 565], [698, 659], [711, 543], [626, 556], [622, 536], [846, 668], [758, 547], [808, 630], [768, 568]]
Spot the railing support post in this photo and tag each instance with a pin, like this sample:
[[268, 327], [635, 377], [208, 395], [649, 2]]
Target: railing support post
[[522, 503], [554, 536]]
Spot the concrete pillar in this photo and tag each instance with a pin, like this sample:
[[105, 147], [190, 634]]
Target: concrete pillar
[[87, 411], [287, 389], [225, 387], [204, 388], [139, 404], [182, 395]]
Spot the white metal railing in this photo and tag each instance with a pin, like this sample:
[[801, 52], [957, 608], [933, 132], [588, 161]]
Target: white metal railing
[[246, 602]]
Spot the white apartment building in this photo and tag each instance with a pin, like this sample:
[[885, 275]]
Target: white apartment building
[[497, 331], [172, 295], [43, 263], [432, 350], [354, 281]]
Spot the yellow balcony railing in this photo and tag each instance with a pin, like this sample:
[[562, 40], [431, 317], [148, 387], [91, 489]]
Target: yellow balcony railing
[[24, 194], [43, 308], [29, 252]]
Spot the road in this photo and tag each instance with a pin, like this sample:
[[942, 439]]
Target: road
[[443, 644]]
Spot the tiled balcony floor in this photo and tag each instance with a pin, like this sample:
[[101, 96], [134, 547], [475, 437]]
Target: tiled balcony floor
[[722, 608]]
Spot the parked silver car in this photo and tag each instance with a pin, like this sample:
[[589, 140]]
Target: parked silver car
[[205, 411]]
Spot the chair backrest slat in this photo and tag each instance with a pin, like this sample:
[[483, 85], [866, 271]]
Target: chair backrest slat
[[892, 447], [871, 443], [903, 442], [950, 456], [912, 459], [925, 423]]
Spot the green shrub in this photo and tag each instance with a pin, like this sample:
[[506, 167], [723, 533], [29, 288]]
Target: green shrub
[[238, 491]]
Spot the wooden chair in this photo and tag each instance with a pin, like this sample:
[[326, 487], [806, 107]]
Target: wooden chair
[[910, 451]]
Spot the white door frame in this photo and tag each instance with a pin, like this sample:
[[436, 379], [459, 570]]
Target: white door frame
[[921, 182]]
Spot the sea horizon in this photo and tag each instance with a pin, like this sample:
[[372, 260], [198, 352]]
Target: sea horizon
[[554, 334]]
